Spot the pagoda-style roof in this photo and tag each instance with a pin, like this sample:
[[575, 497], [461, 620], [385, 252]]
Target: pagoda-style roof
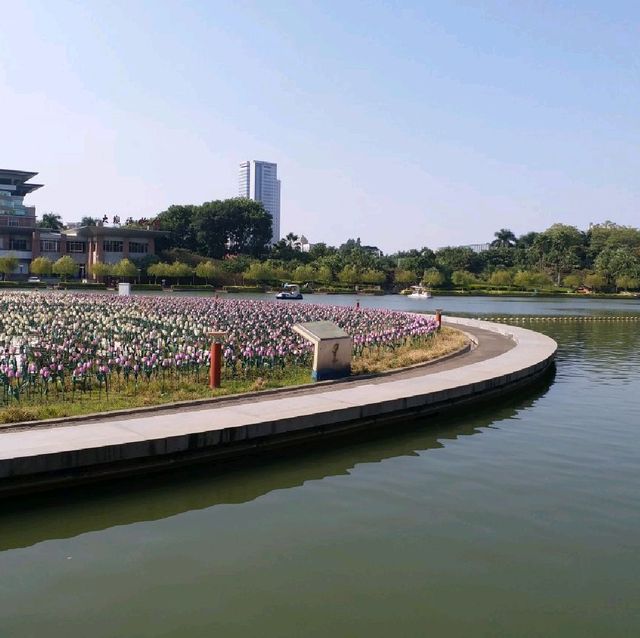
[[17, 181]]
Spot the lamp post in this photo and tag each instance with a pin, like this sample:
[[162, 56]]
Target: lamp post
[[215, 364]]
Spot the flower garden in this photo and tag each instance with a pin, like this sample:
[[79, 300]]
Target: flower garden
[[64, 347]]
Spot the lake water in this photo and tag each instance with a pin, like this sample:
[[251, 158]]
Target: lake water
[[520, 518]]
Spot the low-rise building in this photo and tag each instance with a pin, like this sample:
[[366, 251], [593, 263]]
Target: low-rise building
[[87, 245]]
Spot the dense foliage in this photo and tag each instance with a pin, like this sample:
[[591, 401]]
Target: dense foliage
[[606, 257]]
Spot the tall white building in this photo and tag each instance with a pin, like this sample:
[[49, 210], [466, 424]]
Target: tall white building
[[259, 181]]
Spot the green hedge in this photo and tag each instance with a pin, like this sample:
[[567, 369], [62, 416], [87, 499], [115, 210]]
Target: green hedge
[[76, 285], [243, 288], [146, 287], [182, 287], [23, 284]]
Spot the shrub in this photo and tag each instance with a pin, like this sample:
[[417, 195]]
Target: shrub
[[243, 289], [76, 285], [181, 287], [146, 287]]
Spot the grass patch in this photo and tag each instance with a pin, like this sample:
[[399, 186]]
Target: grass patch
[[439, 344], [144, 394]]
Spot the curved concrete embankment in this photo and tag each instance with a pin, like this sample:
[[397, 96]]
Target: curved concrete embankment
[[37, 457]]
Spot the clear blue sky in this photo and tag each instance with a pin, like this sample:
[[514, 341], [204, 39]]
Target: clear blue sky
[[406, 124]]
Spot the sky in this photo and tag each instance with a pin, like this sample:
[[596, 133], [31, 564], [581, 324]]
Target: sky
[[406, 124]]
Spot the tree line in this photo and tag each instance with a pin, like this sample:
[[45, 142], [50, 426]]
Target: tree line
[[228, 241], [604, 257]]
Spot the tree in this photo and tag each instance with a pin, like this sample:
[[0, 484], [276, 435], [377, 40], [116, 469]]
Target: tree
[[177, 220], [125, 268], [325, 275], [349, 275], [404, 277], [499, 258], [596, 281], [304, 273], [504, 238], [320, 250], [574, 280], [208, 270], [372, 276], [617, 262], [433, 278], [501, 278], [611, 235], [51, 221], [627, 282], [161, 269], [100, 270], [179, 270], [560, 248], [7, 265], [65, 267], [231, 226], [531, 279], [527, 240], [462, 278], [259, 273], [89, 221], [458, 258], [415, 260], [41, 266]]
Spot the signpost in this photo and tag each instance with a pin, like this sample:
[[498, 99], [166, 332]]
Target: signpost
[[332, 349]]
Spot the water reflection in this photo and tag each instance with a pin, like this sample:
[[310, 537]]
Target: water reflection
[[65, 514]]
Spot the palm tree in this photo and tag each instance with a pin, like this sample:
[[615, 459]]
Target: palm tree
[[504, 238], [51, 221]]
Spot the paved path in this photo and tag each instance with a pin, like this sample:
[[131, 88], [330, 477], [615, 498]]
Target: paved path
[[505, 355]]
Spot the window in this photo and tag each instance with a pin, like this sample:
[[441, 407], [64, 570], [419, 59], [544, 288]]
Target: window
[[76, 247], [18, 244], [49, 246], [138, 247], [112, 246]]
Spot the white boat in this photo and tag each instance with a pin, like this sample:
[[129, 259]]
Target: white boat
[[419, 292], [290, 291]]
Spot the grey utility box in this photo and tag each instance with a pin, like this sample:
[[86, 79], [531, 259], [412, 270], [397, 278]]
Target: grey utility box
[[332, 349]]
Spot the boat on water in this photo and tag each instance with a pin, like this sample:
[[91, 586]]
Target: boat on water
[[290, 291], [419, 292]]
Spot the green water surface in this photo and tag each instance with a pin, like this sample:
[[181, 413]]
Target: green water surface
[[519, 518]]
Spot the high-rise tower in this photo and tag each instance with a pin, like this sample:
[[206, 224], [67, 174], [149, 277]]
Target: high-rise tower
[[259, 181]]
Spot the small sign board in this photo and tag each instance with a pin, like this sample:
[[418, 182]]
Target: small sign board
[[332, 349], [124, 289]]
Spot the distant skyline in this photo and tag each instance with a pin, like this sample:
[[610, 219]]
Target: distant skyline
[[408, 124]]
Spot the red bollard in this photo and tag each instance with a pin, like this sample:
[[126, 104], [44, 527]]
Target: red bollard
[[215, 363], [439, 318], [215, 366]]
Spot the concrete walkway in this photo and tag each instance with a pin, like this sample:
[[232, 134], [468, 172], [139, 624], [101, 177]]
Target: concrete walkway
[[43, 456]]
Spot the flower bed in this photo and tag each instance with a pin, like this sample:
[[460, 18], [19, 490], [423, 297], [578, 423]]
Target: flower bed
[[59, 345]]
